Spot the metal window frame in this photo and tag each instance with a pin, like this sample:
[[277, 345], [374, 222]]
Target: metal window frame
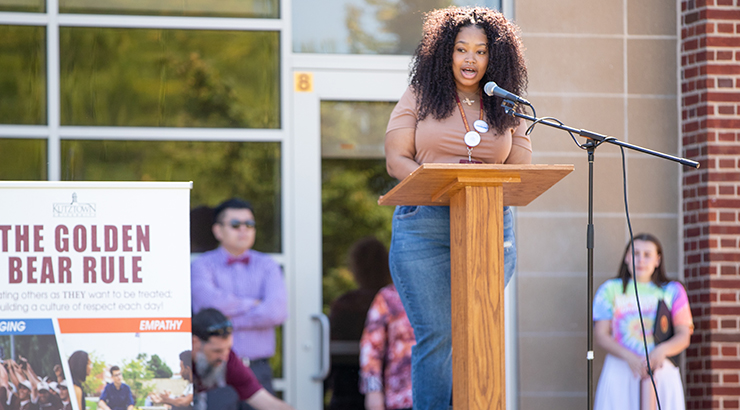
[[54, 132]]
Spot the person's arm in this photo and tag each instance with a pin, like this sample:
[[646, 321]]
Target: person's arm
[[375, 400], [671, 347], [263, 400], [373, 345], [3, 377], [131, 401], [647, 394], [181, 401], [102, 405], [31, 377], [521, 146], [683, 327], [603, 337], [30, 374], [400, 151], [207, 295], [155, 398], [12, 372], [78, 396], [273, 309], [59, 373]]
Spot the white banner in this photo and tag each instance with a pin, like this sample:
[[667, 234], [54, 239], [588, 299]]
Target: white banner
[[97, 267]]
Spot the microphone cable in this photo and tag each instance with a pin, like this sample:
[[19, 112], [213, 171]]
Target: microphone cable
[[634, 277], [595, 144]]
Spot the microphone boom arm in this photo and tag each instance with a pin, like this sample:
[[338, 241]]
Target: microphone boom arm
[[599, 138]]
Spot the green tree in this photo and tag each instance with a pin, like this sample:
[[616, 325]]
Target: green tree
[[349, 198], [94, 382], [253, 170], [159, 368], [135, 373], [400, 24], [40, 351], [23, 79], [172, 78]]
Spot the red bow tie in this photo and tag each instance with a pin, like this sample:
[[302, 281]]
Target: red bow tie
[[243, 259]]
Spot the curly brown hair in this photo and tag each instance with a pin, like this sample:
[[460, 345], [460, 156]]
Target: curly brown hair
[[431, 73]]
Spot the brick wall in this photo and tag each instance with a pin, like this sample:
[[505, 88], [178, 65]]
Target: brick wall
[[710, 108]]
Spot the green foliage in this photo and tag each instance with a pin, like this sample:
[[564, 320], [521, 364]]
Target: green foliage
[[400, 24], [31, 6], [135, 372], [172, 78], [22, 159], [159, 368], [222, 8], [253, 170], [23, 78], [40, 350], [94, 381], [276, 361], [349, 197], [91, 403]]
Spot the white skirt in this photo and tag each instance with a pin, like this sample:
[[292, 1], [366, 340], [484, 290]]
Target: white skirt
[[619, 389]]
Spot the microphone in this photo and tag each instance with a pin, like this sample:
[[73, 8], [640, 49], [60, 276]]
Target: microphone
[[492, 88]]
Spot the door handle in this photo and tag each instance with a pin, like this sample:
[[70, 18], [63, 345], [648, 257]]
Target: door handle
[[325, 335]]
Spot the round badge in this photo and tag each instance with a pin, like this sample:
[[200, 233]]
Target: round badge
[[480, 126], [472, 139], [664, 324]]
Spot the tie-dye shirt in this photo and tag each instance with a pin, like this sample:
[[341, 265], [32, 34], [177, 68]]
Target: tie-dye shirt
[[611, 303]]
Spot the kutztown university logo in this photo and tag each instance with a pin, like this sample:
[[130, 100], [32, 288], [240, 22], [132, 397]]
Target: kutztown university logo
[[74, 209]]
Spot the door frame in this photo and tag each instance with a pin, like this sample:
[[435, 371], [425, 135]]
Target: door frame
[[338, 78]]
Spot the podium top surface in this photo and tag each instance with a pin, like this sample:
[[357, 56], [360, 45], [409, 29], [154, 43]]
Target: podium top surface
[[435, 184]]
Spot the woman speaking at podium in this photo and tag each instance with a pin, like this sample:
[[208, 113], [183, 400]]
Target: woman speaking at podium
[[443, 117]]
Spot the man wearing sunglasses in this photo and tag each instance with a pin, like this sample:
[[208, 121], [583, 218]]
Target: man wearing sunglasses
[[220, 378], [245, 285]]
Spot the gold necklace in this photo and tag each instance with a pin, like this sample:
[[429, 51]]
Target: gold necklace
[[467, 101]]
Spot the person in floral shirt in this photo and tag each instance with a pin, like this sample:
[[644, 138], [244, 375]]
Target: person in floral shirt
[[385, 353]]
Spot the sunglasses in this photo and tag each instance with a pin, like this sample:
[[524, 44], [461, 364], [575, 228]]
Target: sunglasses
[[235, 223], [220, 329]]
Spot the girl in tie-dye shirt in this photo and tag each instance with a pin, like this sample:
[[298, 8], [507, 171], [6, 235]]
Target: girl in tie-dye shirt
[[624, 383]]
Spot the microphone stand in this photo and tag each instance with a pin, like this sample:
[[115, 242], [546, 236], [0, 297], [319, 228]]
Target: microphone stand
[[594, 140]]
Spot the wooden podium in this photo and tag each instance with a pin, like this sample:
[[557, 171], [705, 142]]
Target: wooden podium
[[476, 195]]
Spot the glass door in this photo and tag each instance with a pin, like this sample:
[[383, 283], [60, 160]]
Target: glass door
[[341, 106]]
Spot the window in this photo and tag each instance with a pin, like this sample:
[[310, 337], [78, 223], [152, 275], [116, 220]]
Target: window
[[169, 78], [219, 170], [22, 159], [364, 26], [23, 79], [221, 8], [29, 6]]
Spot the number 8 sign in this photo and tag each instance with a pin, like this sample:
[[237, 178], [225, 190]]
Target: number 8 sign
[[303, 82]]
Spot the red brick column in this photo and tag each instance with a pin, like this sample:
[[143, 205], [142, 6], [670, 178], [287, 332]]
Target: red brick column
[[710, 104]]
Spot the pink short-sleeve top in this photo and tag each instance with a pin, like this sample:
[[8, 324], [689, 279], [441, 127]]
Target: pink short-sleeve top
[[441, 141]]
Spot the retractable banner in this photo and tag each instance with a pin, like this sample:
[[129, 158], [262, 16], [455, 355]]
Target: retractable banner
[[92, 275]]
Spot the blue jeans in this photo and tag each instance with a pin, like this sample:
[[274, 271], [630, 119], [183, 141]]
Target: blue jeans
[[419, 259]]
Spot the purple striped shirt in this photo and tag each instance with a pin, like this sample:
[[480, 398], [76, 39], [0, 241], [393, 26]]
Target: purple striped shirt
[[235, 290]]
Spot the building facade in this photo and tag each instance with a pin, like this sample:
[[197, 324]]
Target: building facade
[[282, 101]]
